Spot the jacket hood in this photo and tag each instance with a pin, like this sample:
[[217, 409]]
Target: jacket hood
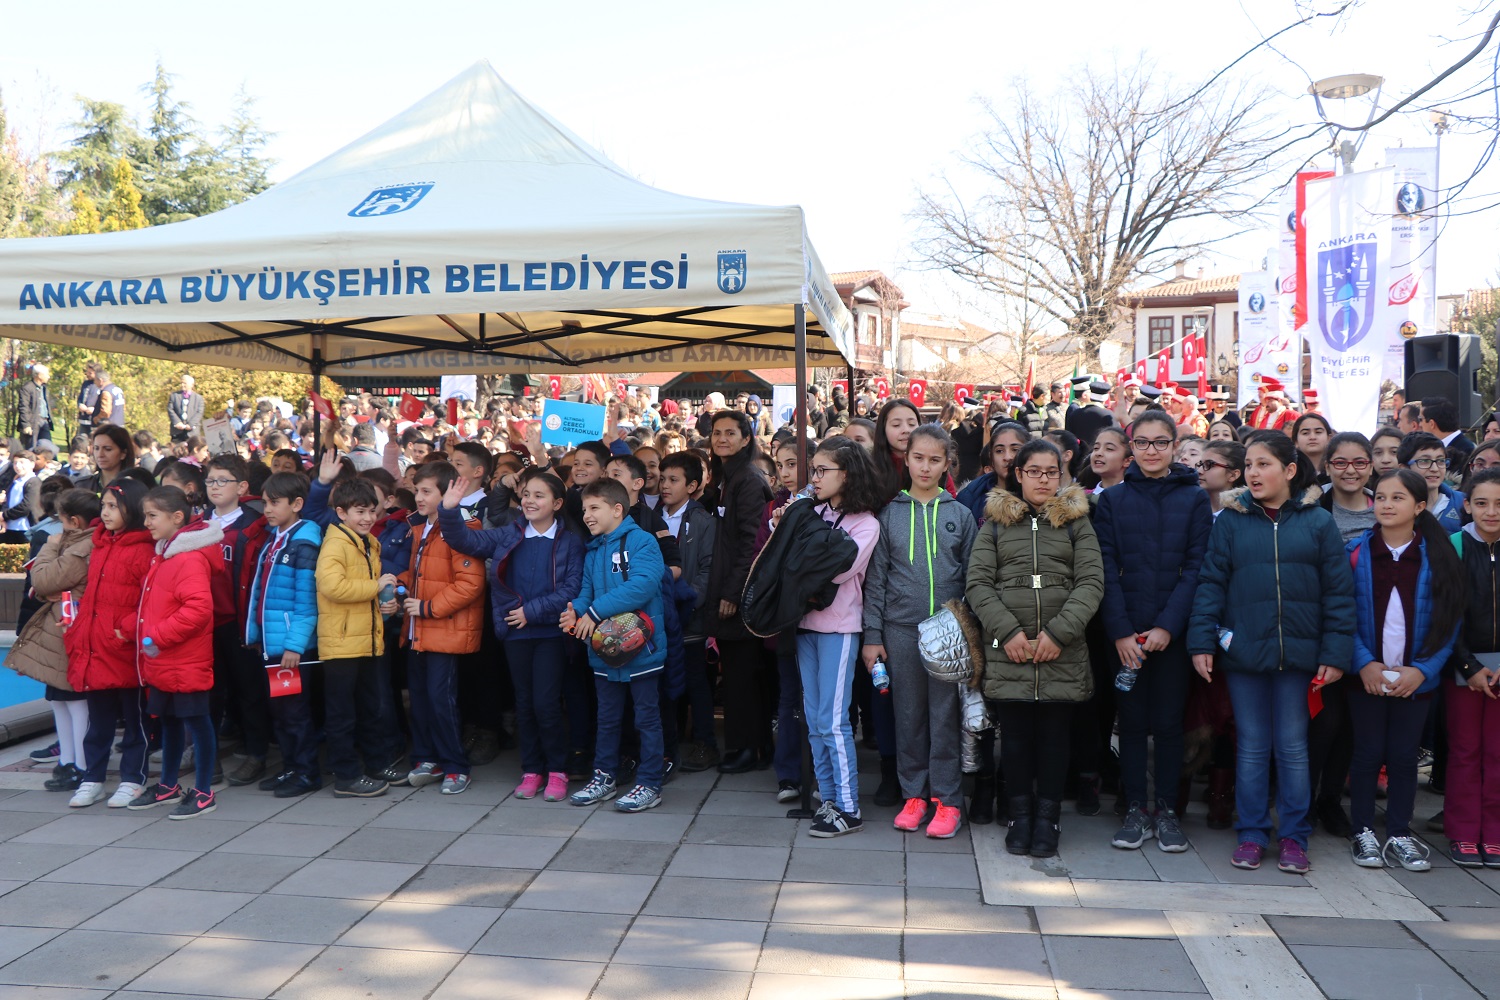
[[72, 536], [1177, 474], [624, 528], [191, 537], [1006, 508], [1239, 499], [104, 537], [1471, 529], [905, 498]]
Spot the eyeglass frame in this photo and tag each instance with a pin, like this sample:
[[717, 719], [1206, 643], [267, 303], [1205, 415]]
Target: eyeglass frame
[[1357, 464], [819, 471], [1153, 444]]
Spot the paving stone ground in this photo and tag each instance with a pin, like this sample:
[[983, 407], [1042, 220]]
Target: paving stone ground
[[714, 895]]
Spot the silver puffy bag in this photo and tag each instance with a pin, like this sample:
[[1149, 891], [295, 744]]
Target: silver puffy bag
[[975, 718], [945, 646]]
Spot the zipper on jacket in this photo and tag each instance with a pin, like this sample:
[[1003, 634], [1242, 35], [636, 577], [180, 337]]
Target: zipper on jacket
[[1276, 549], [1494, 604], [1036, 589]]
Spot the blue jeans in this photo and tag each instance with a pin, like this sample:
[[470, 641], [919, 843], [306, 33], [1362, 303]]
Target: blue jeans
[[1270, 714], [612, 700], [827, 665]]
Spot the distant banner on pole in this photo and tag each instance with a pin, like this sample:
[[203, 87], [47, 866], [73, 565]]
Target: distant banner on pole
[[962, 393], [1414, 230], [459, 387], [1164, 367], [1265, 342], [783, 405], [1348, 222], [570, 424]]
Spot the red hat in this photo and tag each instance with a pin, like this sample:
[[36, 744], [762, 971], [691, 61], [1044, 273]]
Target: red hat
[[1310, 395], [669, 406], [1271, 386], [1183, 391]]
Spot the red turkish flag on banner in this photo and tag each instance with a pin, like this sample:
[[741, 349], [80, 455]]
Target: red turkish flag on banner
[[1299, 310], [962, 394], [841, 383], [1140, 370], [410, 407], [554, 386], [1190, 355], [621, 389], [453, 411], [916, 391], [1030, 376], [1202, 369], [882, 388], [1164, 366], [321, 406]]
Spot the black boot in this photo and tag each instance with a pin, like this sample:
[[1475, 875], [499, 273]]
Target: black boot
[[982, 805], [1044, 831], [1019, 838], [889, 792], [1088, 795]]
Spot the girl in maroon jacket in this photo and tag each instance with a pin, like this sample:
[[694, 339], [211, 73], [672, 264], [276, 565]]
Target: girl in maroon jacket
[[173, 635], [101, 660]]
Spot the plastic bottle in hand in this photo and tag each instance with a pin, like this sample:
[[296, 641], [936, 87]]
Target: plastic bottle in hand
[[150, 648], [387, 595], [1125, 678], [880, 677], [804, 493]]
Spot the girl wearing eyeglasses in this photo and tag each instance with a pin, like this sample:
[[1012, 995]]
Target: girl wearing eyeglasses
[[1273, 612], [1153, 530], [1348, 496], [1424, 454], [1485, 456], [1035, 579], [1222, 468]]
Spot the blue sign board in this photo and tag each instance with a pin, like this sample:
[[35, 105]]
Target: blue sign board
[[571, 424]]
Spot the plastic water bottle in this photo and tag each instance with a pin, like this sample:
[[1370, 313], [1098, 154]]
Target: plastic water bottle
[[1125, 678], [880, 677], [804, 493], [387, 595], [150, 648]]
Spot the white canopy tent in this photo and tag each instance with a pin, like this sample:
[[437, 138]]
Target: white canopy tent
[[470, 234]]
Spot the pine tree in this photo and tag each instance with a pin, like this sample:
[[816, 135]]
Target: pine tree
[[123, 210], [105, 134], [85, 216], [244, 140]]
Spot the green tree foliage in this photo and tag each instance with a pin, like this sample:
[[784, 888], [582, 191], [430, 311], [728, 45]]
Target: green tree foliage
[[12, 180], [85, 216], [105, 133], [124, 208]]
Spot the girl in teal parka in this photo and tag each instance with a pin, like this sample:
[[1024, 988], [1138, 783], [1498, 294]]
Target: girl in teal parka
[[1274, 609]]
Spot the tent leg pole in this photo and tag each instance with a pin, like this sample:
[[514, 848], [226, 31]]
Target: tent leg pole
[[317, 385], [803, 809]]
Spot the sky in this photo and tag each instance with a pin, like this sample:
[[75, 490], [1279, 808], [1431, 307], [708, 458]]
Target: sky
[[849, 110]]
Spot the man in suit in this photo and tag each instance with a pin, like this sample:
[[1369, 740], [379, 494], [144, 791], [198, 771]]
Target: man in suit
[[88, 399], [1440, 418], [36, 408], [185, 412]]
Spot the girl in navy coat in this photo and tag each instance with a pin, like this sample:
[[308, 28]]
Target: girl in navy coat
[[536, 569], [1409, 596]]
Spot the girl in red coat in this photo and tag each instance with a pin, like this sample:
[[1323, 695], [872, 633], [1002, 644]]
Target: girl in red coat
[[101, 660], [173, 635]]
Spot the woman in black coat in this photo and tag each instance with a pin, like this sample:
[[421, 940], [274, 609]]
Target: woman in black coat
[[738, 496]]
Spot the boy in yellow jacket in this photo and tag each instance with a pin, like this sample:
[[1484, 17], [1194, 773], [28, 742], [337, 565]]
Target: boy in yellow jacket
[[351, 641]]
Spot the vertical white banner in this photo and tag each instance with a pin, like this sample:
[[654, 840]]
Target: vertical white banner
[[1414, 228], [1261, 334], [1286, 344], [1348, 222], [783, 405]]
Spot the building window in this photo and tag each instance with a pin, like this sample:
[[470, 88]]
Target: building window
[[875, 330], [1160, 329]]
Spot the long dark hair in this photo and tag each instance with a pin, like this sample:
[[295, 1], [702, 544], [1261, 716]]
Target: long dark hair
[[716, 463], [1067, 441], [1281, 448], [1039, 446], [862, 493], [1444, 568], [122, 440], [892, 481], [130, 496]]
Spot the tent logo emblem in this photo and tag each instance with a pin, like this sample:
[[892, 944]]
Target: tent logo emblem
[[731, 272], [390, 200]]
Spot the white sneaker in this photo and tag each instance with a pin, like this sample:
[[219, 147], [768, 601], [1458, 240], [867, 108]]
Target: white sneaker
[[88, 793], [125, 794]]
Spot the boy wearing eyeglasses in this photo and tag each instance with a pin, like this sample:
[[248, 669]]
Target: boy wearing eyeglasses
[[1425, 453]]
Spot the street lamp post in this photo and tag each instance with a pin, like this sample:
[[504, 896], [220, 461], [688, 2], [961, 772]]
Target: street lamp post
[[1342, 88]]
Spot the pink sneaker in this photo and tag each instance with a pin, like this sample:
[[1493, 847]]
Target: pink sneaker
[[912, 815], [529, 786], [945, 822], [557, 786]]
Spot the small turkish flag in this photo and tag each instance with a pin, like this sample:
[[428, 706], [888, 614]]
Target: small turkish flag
[[916, 391], [284, 680], [1164, 366], [841, 384], [1140, 370], [882, 388], [963, 393], [1202, 369], [453, 411], [321, 406], [1121, 375], [554, 386], [410, 407], [1190, 355], [620, 389]]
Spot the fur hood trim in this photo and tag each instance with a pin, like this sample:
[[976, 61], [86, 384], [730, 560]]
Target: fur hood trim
[[195, 536], [1004, 507], [1240, 501], [973, 636]]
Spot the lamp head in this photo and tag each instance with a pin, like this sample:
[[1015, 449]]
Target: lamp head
[[1341, 88]]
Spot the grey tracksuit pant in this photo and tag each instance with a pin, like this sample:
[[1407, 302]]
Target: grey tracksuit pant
[[928, 746]]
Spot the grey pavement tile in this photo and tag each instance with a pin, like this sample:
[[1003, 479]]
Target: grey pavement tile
[[741, 831], [1348, 933], [858, 867], [233, 872], [1480, 968], [10, 885], [346, 879], [711, 861], [1188, 866], [877, 835], [820, 950], [531, 818], [721, 802], [169, 911], [24, 862], [1068, 993], [623, 857], [17, 941], [122, 866], [962, 910], [421, 927], [59, 993], [840, 905], [1085, 921], [322, 809], [1088, 856], [221, 967], [420, 813], [90, 959], [1375, 974], [553, 934], [495, 851], [631, 982], [377, 844], [89, 828], [687, 943], [1214, 848], [587, 891], [57, 904], [712, 898], [369, 974], [607, 822], [1122, 963], [959, 843], [200, 835], [942, 871], [293, 919], [455, 885], [249, 804], [13, 824], [490, 977], [33, 800], [974, 957], [1447, 887], [1462, 929], [286, 840], [782, 986]]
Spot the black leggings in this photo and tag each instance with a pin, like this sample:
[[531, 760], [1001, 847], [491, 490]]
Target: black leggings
[[1386, 731], [1034, 746], [1330, 742]]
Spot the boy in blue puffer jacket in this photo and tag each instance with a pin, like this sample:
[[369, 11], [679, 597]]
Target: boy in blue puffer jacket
[[622, 574], [283, 622]]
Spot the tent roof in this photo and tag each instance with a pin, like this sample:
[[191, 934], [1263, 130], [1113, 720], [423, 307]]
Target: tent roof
[[471, 233]]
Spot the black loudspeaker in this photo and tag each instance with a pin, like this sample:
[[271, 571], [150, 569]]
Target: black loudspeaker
[[1446, 365]]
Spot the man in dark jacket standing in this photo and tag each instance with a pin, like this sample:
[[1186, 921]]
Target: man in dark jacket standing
[[1088, 420], [185, 412], [109, 405], [88, 398], [36, 408]]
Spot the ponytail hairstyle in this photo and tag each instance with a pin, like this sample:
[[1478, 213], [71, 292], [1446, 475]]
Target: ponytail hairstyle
[[1281, 448], [171, 500], [1038, 446], [863, 491], [130, 496], [1444, 568]]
